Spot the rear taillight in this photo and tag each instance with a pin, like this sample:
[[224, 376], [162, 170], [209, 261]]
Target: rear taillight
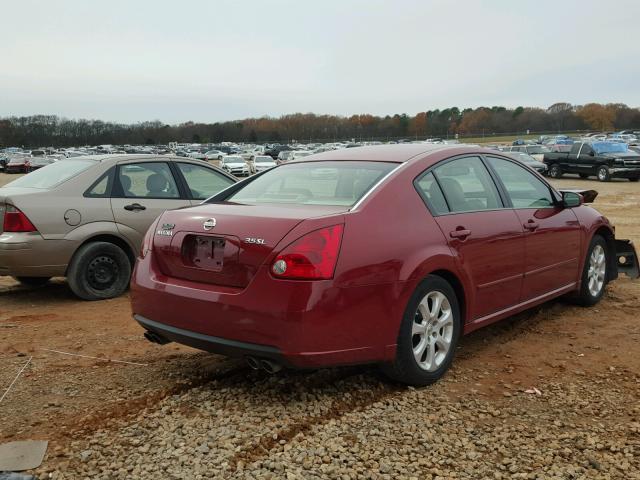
[[16, 221], [311, 257]]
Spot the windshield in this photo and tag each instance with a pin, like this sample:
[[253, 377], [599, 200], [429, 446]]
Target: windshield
[[53, 174], [263, 159], [314, 183], [609, 147], [233, 159]]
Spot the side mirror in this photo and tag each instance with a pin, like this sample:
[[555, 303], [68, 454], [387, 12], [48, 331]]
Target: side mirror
[[571, 199], [592, 153]]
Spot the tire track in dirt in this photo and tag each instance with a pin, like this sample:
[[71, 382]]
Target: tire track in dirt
[[340, 407], [115, 413]]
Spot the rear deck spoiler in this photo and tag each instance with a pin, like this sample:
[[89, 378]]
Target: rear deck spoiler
[[588, 195], [627, 258]]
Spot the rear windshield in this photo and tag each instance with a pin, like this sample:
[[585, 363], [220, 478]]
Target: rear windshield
[[314, 183], [53, 174]]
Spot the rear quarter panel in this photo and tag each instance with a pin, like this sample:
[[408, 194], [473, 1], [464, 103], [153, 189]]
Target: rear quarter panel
[[391, 241]]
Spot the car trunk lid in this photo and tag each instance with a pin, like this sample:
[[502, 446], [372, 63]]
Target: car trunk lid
[[226, 243]]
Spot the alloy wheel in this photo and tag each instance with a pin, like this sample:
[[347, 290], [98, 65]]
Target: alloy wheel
[[597, 270], [432, 331]]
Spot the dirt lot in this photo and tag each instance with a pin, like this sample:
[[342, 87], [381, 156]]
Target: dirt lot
[[173, 412]]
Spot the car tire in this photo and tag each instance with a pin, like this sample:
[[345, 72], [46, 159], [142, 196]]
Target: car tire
[[594, 274], [99, 270], [603, 173], [33, 281], [584, 175], [555, 171], [426, 346], [634, 179]]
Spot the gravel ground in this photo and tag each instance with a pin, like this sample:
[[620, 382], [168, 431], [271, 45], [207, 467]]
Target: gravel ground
[[346, 424]]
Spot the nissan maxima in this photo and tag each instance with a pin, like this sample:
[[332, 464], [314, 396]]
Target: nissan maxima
[[381, 255]]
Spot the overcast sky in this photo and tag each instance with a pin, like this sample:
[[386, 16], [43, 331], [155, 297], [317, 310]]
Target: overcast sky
[[135, 60]]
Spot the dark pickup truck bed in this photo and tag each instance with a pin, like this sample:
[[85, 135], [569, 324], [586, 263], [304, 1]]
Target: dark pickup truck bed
[[605, 160]]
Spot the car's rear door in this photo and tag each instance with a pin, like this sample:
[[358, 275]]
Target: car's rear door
[[141, 192], [486, 237], [552, 232]]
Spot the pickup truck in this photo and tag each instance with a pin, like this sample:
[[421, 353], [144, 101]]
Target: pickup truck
[[605, 160]]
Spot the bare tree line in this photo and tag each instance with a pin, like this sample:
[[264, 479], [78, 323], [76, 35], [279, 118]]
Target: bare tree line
[[51, 130]]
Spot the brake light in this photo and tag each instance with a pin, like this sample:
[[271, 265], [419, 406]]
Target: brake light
[[311, 257], [16, 221]]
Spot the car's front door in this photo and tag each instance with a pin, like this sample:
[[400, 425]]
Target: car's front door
[[141, 192], [552, 232], [201, 181], [486, 237]]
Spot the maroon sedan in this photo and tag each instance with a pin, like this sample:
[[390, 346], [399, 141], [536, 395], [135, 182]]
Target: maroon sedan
[[370, 255]]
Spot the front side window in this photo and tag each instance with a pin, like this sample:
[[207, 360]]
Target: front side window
[[467, 185], [586, 150], [203, 182], [314, 183], [523, 187], [147, 180]]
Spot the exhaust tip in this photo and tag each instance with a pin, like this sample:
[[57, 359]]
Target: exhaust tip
[[253, 363], [270, 367], [155, 338]]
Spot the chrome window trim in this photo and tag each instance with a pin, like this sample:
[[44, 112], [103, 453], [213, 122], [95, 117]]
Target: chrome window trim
[[375, 186]]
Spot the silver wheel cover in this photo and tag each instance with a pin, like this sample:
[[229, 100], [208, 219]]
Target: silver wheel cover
[[432, 331], [597, 270]]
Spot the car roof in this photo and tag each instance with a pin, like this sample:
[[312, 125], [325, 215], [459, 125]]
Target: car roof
[[399, 153], [113, 158]]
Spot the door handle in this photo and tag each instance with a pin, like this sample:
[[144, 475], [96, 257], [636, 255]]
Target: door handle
[[460, 232], [134, 207], [530, 225]]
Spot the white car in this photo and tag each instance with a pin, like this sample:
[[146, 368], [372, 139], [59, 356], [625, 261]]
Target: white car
[[235, 165], [214, 155], [263, 162], [197, 155]]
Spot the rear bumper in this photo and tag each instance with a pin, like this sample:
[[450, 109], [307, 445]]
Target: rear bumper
[[209, 343], [300, 324], [30, 255]]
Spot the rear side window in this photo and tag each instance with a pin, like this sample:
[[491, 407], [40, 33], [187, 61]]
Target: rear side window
[[53, 174], [101, 188], [524, 189], [314, 183], [467, 185], [432, 193]]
